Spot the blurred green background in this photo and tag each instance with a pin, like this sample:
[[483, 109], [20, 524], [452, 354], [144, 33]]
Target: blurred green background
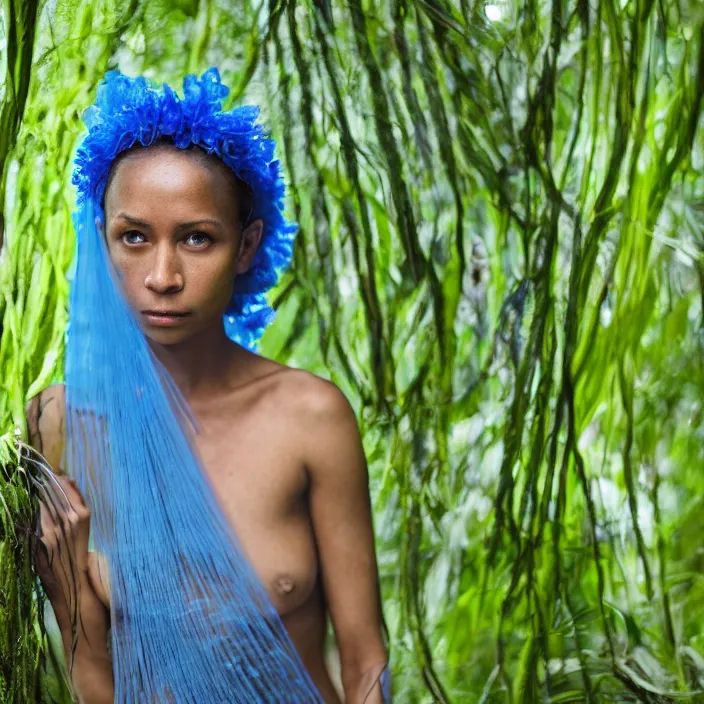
[[500, 262]]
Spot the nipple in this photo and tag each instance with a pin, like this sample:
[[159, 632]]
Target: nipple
[[285, 585]]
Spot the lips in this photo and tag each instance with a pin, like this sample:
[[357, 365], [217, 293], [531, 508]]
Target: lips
[[165, 318]]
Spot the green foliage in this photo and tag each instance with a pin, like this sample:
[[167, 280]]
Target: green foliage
[[501, 263], [20, 639]]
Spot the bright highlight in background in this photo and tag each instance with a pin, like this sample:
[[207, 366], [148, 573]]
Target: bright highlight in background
[[494, 12]]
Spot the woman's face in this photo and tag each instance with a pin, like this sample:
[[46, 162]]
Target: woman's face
[[173, 233]]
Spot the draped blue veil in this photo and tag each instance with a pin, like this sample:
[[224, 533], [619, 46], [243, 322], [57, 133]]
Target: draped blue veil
[[191, 622]]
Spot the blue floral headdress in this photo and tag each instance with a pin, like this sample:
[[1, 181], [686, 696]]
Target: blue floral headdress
[[128, 111]]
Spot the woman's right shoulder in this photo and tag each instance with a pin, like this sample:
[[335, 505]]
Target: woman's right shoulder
[[46, 424]]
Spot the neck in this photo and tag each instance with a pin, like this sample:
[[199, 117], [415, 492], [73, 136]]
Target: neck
[[202, 365]]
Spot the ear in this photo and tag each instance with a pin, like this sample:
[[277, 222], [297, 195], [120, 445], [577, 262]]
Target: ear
[[99, 226], [250, 240]]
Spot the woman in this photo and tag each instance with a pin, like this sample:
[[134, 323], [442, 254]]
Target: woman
[[187, 201]]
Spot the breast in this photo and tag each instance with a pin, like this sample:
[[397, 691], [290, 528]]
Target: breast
[[261, 488], [99, 576], [284, 560], [262, 492], [284, 557]]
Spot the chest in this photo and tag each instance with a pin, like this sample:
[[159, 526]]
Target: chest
[[254, 467], [252, 458], [258, 477]]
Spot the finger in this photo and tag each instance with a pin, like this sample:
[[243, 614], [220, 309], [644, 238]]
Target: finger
[[63, 560], [49, 512], [46, 516], [58, 523], [55, 563], [75, 523], [47, 522], [71, 491], [48, 484], [56, 548]]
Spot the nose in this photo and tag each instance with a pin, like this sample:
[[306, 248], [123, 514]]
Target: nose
[[165, 274]]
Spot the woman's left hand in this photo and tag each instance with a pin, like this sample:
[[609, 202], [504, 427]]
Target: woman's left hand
[[62, 558]]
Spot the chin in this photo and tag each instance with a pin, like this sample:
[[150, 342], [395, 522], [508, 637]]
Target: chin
[[167, 337]]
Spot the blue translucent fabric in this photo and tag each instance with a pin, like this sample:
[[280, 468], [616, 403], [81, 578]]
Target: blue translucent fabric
[[191, 621]]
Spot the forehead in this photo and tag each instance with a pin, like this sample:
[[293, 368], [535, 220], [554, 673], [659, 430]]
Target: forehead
[[164, 178]]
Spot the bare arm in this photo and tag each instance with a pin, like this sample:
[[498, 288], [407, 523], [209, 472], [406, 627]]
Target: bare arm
[[341, 514], [66, 533]]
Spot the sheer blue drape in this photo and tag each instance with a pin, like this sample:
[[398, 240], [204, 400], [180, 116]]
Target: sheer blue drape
[[190, 620]]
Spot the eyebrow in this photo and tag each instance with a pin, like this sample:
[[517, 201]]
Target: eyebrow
[[181, 226]]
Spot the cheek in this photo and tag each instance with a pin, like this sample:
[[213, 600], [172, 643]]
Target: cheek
[[212, 282], [131, 270]]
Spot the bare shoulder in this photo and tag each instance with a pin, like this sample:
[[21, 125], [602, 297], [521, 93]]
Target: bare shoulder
[[46, 424], [314, 398], [322, 426]]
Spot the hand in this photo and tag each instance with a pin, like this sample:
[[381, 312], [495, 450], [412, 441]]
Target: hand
[[61, 557]]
